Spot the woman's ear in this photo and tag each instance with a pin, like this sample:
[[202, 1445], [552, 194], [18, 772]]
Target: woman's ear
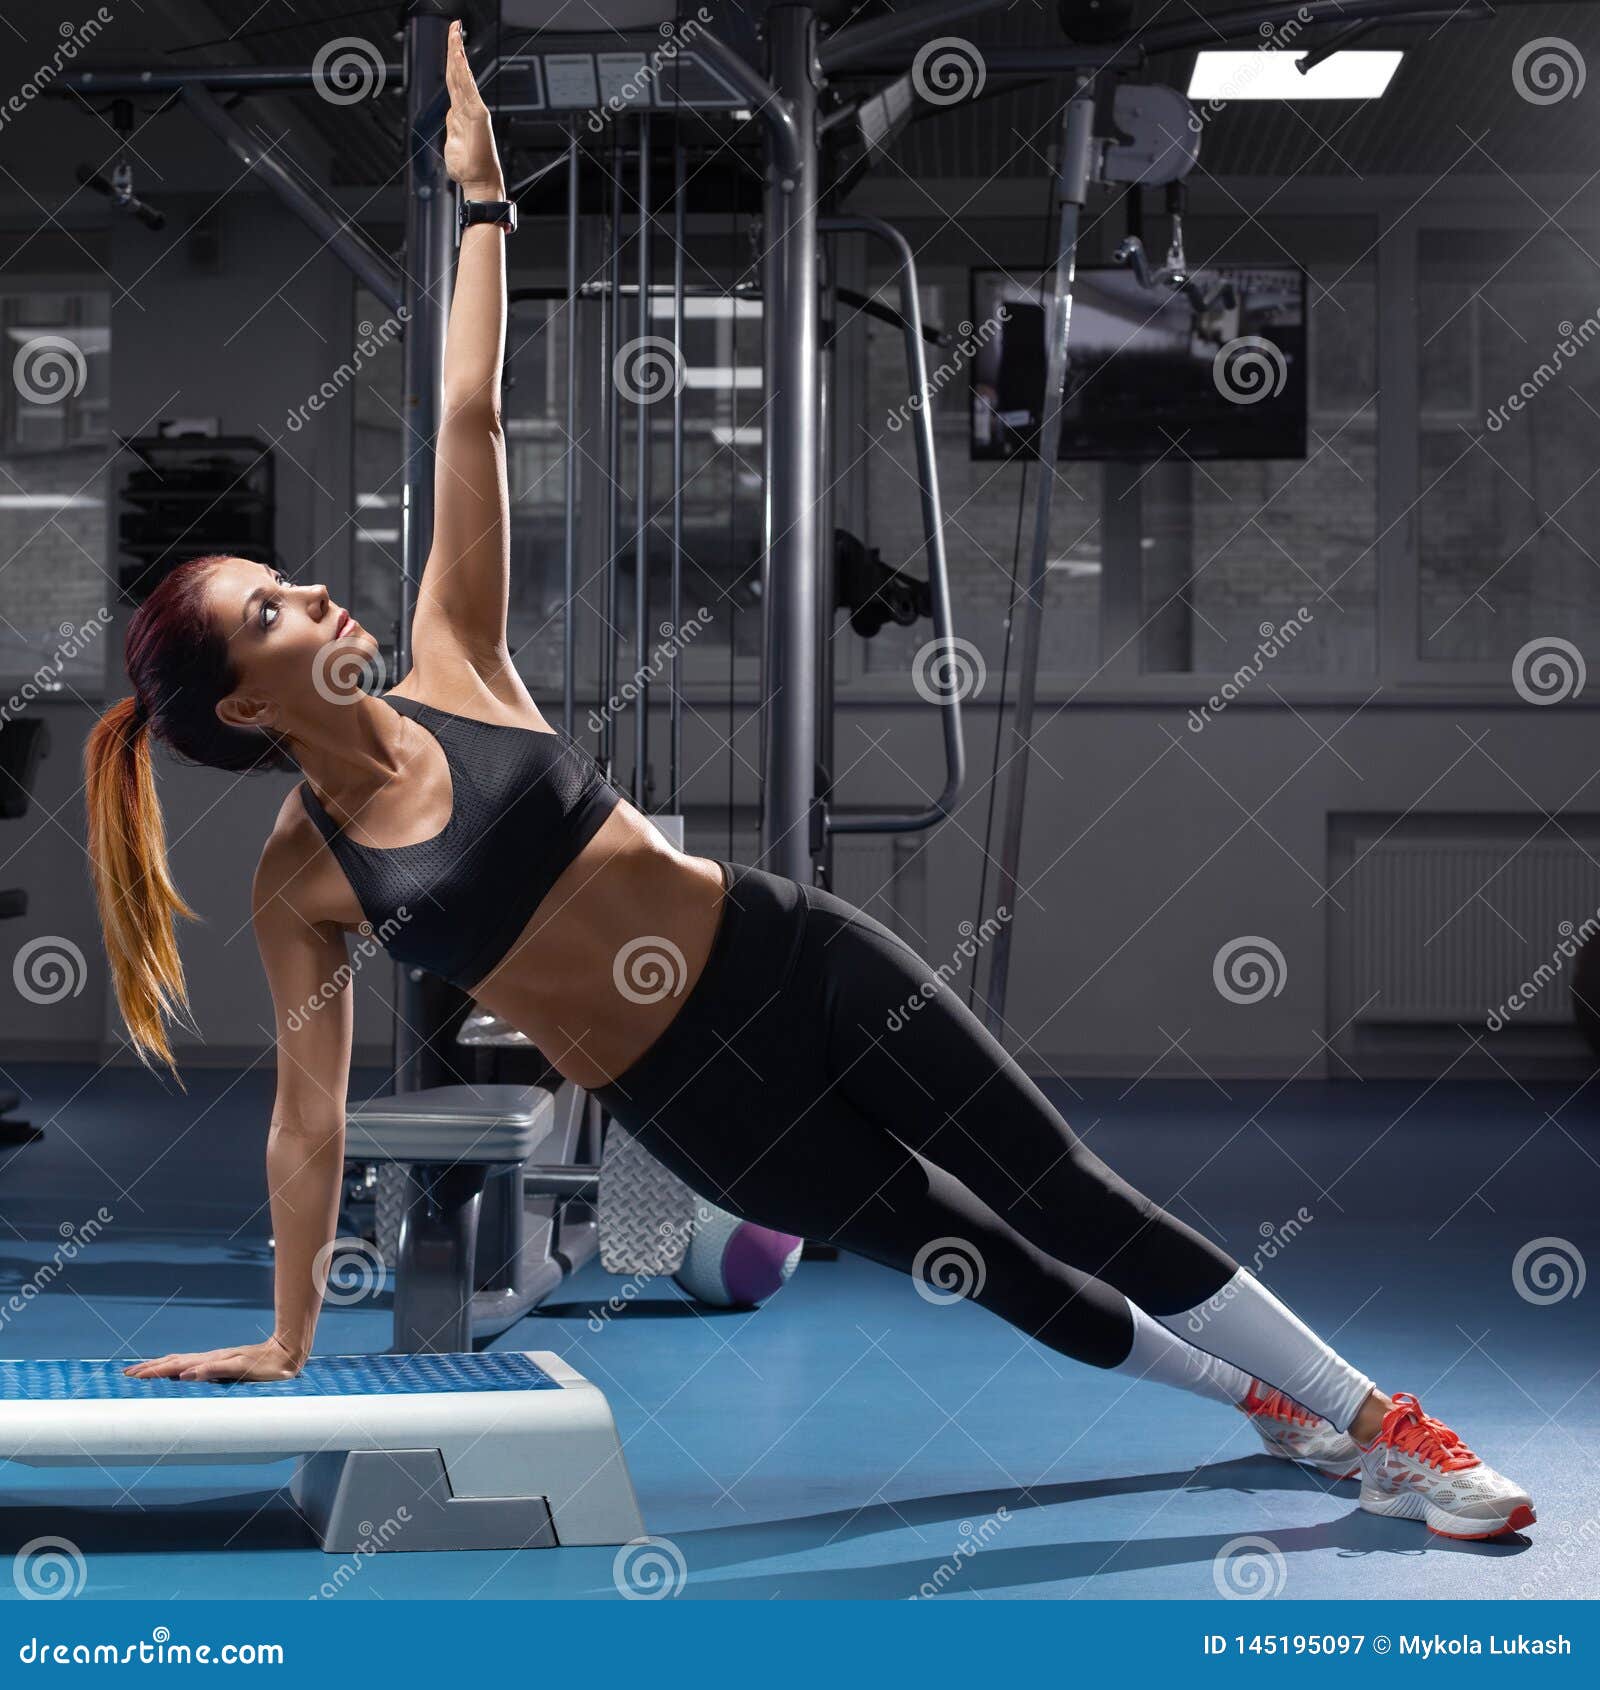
[[238, 710]]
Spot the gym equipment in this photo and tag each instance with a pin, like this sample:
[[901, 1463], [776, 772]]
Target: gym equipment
[[734, 1264], [118, 186], [1142, 149], [473, 1194], [24, 743], [646, 1212], [496, 1206], [514, 1450], [938, 583]]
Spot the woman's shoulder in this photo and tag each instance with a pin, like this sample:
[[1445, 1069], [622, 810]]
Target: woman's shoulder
[[483, 691], [296, 878]]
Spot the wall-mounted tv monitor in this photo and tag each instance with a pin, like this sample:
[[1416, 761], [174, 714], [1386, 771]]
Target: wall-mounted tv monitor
[[1216, 371]]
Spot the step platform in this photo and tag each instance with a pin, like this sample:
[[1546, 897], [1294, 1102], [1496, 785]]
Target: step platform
[[502, 1450]]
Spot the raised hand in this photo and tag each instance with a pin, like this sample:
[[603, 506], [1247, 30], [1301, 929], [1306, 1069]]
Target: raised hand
[[469, 150]]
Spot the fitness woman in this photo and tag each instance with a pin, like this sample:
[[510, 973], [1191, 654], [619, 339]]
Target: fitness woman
[[485, 846]]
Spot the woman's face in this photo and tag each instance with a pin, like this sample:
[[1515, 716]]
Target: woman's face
[[285, 639]]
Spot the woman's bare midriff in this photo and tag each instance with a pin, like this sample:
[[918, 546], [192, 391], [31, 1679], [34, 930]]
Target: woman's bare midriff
[[605, 963]]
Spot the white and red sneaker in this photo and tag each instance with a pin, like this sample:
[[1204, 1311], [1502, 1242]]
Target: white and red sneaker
[[1418, 1469], [1296, 1434]]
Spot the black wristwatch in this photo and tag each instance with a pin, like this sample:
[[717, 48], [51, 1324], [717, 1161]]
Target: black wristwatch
[[501, 212]]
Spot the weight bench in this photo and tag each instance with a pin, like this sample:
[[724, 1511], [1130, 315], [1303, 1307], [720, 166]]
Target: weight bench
[[511, 1450], [497, 1211]]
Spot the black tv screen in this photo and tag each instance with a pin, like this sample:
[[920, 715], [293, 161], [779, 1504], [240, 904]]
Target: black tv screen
[[1218, 371]]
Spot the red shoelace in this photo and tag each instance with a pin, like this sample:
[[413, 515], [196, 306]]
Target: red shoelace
[[1276, 1406], [1407, 1429]]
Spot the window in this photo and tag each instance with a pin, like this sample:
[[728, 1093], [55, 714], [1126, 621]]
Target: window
[[56, 593], [1233, 551], [1508, 329], [981, 502]]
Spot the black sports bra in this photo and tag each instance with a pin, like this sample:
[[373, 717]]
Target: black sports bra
[[524, 804]]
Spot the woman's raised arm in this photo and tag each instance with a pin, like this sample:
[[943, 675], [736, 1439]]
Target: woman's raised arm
[[464, 592]]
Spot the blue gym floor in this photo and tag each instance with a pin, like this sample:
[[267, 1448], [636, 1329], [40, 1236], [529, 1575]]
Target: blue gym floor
[[851, 1440]]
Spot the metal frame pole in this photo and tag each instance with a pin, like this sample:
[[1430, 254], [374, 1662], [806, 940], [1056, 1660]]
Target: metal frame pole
[[641, 497], [788, 811], [675, 707], [608, 657], [955, 755], [827, 587], [858, 42], [338, 232], [569, 620], [1073, 174], [430, 259]]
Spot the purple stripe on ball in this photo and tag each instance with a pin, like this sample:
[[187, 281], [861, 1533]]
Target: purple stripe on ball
[[755, 1262]]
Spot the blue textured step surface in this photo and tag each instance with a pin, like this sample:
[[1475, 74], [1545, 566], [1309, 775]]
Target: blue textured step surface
[[323, 1376]]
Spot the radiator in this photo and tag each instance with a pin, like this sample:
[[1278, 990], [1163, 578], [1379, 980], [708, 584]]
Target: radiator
[[1444, 929]]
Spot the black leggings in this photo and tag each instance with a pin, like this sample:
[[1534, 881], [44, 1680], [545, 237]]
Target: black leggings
[[821, 1079]]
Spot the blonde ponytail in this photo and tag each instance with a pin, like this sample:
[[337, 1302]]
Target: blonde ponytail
[[138, 903]]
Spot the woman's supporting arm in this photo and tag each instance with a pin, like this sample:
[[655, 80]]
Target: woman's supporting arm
[[308, 969]]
